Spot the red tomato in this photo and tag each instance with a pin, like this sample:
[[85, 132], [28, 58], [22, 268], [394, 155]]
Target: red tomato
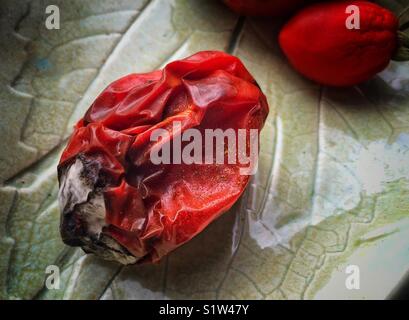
[[318, 43], [264, 7], [120, 204]]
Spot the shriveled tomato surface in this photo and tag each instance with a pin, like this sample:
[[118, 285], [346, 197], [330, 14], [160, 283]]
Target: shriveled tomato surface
[[274, 8], [319, 45], [152, 209]]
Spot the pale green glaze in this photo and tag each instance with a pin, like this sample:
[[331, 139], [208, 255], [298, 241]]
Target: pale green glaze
[[332, 187]]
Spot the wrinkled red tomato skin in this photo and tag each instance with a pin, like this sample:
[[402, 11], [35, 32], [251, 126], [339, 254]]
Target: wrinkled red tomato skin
[[153, 209], [318, 44], [267, 8]]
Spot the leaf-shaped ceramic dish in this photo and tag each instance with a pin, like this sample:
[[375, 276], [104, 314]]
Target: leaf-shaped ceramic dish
[[332, 188]]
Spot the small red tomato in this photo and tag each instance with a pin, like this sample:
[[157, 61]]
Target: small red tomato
[[264, 7], [120, 203], [325, 44]]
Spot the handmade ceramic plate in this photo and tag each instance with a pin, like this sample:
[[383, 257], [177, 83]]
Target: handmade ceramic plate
[[331, 193]]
